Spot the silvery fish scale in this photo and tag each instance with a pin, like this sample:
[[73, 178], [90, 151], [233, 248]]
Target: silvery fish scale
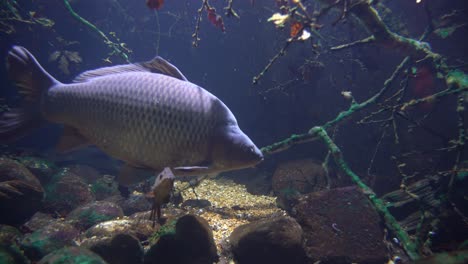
[[143, 118]]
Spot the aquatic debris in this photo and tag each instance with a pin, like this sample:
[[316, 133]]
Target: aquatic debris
[[278, 19], [347, 95], [64, 58], [154, 4], [305, 35], [41, 20]]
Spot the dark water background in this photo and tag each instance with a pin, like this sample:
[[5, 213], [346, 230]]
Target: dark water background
[[225, 63]]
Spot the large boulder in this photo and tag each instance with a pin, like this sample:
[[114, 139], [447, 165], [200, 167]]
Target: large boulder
[[293, 178], [65, 192], [105, 187], [277, 240], [9, 249], [72, 255], [21, 193], [454, 257], [50, 238], [87, 173], [38, 221], [40, 167], [192, 243], [138, 228], [341, 226], [93, 213], [303, 176], [119, 249]]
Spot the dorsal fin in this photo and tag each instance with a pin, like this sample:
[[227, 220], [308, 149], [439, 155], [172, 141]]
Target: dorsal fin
[[156, 65]]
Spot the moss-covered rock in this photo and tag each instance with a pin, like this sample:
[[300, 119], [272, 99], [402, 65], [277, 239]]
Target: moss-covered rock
[[119, 249], [40, 167], [9, 249], [276, 240], [136, 202], [341, 226], [87, 173], [105, 187], [38, 220], [50, 238], [66, 191], [72, 255], [21, 193], [139, 228], [93, 213], [192, 242]]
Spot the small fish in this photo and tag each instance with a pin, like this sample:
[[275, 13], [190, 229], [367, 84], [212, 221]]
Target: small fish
[[161, 192], [146, 114]]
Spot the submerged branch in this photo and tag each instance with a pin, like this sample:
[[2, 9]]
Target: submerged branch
[[390, 221], [367, 40], [272, 60], [117, 48]]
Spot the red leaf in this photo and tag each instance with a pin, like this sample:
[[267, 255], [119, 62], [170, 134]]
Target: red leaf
[[215, 19], [154, 4], [295, 28]]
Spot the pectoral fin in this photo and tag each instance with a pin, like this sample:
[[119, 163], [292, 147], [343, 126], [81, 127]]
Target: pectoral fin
[[192, 169]]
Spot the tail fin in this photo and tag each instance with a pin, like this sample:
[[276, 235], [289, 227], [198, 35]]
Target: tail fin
[[32, 80]]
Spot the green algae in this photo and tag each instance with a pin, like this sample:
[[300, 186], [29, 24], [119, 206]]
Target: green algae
[[167, 229]]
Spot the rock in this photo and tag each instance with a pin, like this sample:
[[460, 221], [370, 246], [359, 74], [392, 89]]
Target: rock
[[40, 167], [93, 213], [341, 226], [137, 202], [454, 257], [105, 187], [87, 173], [65, 192], [196, 239], [38, 221], [168, 214], [8, 235], [196, 203], [256, 181], [277, 240], [192, 243], [72, 255], [120, 249], [9, 249], [21, 193], [50, 238], [139, 228], [293, 178], [302, 176]]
